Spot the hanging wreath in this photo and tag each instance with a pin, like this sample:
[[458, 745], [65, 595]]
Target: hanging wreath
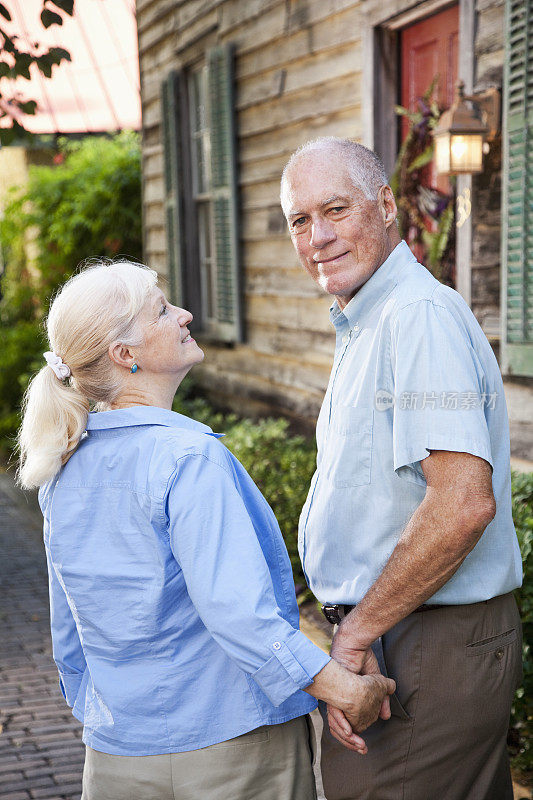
[[425, 214]]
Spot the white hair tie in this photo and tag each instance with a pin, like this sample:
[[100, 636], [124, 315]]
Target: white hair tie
[[54, 361]]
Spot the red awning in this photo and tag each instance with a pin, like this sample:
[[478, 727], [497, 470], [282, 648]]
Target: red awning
[[99, 89]]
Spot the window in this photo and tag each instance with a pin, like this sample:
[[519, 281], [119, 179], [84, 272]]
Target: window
[[201, 194], [517, 210]]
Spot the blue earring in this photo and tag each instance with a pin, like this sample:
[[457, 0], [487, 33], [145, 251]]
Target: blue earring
[[134, 367]]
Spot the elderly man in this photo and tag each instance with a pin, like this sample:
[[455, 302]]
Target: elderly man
[[407, 535]]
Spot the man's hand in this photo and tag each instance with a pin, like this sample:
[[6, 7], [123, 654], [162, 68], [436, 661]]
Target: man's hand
[[346, 650], [355, 658], [361, 661]]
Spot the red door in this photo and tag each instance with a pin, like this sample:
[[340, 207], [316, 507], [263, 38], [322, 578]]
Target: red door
[[429, 51], [430, 48]]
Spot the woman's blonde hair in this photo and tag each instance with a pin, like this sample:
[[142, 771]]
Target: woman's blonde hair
[[96, 307]]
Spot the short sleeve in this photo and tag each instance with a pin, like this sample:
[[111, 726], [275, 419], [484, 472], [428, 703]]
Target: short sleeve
[[440, 393]]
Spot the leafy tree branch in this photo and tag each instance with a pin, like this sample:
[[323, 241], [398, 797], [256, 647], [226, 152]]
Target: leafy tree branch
[[17, 56]]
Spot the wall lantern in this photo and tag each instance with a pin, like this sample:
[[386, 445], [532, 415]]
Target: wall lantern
[[462, 129]]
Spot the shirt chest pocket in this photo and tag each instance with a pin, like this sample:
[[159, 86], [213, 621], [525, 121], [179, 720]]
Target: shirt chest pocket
[[348, 452]]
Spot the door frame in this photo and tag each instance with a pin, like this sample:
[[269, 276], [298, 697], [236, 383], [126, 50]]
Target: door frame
[[380, 78]]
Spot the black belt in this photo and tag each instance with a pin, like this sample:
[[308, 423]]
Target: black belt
[[333, 612]]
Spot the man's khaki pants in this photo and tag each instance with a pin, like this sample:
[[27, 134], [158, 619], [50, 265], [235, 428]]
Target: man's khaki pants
[[273, 762], [456, 669]]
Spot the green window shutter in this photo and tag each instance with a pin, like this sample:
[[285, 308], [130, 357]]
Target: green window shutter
[[170, 121], [517, 196], [224, 189]]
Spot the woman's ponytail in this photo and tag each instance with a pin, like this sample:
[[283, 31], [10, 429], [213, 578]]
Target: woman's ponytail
[[95, 308], [54, 418]]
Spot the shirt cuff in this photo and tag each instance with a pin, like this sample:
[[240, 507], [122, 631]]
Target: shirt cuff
[[293, 665], [69, 683]]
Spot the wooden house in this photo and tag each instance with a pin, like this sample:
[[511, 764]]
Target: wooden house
[[230, 88]]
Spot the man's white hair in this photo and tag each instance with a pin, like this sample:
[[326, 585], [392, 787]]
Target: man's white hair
[[365, 167]]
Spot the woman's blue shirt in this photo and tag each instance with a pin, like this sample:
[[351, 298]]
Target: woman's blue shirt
[[173, 614]]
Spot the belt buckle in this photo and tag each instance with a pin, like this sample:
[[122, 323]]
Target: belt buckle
[[331, 613]]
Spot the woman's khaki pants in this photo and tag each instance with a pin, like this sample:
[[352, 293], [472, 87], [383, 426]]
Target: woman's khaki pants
[[270, 763]]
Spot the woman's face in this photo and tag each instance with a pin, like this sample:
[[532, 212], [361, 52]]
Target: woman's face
[[168, 347]]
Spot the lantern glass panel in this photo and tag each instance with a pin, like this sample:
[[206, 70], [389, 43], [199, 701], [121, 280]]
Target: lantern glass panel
[[466, 153]]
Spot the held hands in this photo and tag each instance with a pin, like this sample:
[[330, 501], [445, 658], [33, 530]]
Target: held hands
[[363, 662], [354, 701], [366, 696]]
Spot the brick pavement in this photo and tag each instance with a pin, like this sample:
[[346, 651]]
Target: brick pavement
[[41, 753]]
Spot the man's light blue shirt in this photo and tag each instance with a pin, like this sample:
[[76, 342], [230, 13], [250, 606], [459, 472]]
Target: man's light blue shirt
[[413, 372], [173, 614]]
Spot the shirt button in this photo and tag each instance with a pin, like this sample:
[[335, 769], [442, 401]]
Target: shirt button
[[499, 653], [356, 328], [277, 645]]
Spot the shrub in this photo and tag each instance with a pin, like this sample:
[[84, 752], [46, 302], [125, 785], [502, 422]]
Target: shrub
[[22, 346], [88, 205], [522, 713]]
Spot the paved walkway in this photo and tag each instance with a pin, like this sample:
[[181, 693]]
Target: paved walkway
[[41, 753]]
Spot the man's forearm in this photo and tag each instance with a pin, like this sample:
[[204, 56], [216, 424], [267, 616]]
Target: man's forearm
[[432, 547]]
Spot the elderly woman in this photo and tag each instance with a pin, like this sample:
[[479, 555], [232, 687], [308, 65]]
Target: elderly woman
[[174, 621]]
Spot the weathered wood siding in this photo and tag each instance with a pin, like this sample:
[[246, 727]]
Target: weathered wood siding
[[298, 72]]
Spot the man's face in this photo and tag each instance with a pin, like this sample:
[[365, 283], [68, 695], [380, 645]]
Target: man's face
[[341, 236]]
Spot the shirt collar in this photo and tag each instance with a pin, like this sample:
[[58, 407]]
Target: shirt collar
[[379, 285], [144, 415]]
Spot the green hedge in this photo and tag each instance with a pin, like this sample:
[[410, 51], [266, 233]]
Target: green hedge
[[88, 205], [282, 466], [522, 715]]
